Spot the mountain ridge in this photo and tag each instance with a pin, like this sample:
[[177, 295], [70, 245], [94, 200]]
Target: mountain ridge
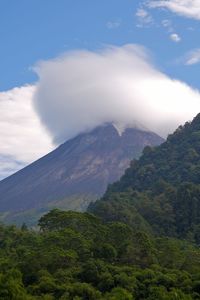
[[84, 165], [162, 188]]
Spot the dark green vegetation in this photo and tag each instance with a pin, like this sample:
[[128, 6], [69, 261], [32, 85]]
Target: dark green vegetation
[[77, 256], [140, 241], [161, 191]]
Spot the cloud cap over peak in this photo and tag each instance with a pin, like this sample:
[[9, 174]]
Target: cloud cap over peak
[[82, 89]]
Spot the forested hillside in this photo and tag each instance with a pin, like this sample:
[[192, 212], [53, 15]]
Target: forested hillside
[[161, 190], [77, 256], [140, 241]]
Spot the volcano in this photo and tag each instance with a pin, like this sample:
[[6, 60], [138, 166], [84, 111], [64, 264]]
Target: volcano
[[74, 174]]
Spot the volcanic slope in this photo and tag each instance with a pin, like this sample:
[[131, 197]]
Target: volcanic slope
[[74, 174]]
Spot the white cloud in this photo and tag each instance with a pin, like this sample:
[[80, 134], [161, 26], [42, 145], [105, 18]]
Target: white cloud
[[144, 17], [83, 89], [193, 57], [167, 24], [186, 8], [175, 37], [22, 137]]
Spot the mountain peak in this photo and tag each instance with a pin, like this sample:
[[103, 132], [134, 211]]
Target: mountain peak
[[75, 173]]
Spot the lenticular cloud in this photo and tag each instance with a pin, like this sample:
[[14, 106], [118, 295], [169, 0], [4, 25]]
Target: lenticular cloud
[[82, 89]]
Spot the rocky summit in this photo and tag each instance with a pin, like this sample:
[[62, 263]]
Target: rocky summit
[[74, 174]]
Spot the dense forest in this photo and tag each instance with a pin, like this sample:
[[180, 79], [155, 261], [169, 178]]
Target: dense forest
[[140, 241], [160, 192], [78, 256]]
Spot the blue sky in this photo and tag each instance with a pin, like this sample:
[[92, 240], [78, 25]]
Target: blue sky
[[39, 107], [36, 30]]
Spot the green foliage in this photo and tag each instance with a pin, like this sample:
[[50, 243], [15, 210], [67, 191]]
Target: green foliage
[[11, 286], [141, 241], [78, 256], [160, 192], [119, 294]]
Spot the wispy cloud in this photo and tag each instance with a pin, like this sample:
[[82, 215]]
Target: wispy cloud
[[144, 18], [9, 165], [192, 57], [186, 8], [113, 24], [175, 37], [168, 25]]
